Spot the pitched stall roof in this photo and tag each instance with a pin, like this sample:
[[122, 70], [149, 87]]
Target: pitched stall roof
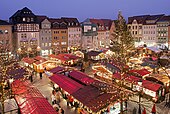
[[141, 72], [82, 77], [66, 57], [150, 85], [66, 83], [30, 100], [28, 60], [93, 98], [57, 69]]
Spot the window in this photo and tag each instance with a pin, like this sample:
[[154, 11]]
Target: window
[[32, 19], [23, 19], [28, 19], [63, 43], [49, 44], [63, 37]]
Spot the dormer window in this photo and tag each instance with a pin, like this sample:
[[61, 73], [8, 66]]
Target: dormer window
[[69, 24], [23, 19], [76, 23], [72, 23]]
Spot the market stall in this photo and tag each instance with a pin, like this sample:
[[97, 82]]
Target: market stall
[[79, 54], [28, 62], [30, 100], [67, 59]]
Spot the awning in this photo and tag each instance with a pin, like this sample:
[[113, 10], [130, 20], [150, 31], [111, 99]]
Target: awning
[[66, 83], [82, 77], [30, 100], [57, 69]]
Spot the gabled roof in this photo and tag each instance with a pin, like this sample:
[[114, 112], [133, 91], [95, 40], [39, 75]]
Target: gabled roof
[[59, 23], [71, 20], [23, 12], [40, 18], [164, 18], [152, 19], [107, 23], [98, 22], [140, 19], [2, 22]]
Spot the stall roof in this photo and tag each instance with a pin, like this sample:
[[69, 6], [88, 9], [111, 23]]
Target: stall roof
[[141, 72], [66, 83], [133, 79], [82, 77], [52, 56], [28, 60], [30, 100], [93, 53], [150, 85], [38, 58], [93, 98], [66, 57], [57, 69]]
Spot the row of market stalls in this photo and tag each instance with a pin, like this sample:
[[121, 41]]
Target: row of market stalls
[[39, 64], [29, 99], [153, 85], [91, 94]]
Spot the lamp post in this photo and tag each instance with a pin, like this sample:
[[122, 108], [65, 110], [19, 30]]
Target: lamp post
[[140, 91]]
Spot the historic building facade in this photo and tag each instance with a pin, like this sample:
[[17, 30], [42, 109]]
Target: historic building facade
[[45, 41], [162, 32], [135, 25], [26, 32], [59, 36], [150, 30], [6, 36], [89, 36], [74, 33]]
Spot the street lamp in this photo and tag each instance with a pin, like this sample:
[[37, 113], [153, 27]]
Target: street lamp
[[140, 91]]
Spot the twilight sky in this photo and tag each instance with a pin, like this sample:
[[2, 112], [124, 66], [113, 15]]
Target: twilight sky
[[83, 9]]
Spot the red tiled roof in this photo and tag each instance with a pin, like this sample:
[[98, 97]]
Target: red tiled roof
[[66, 83], [82, 77]]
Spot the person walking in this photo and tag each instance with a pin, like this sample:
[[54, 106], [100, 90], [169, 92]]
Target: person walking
[[40, 75], [31, 78]]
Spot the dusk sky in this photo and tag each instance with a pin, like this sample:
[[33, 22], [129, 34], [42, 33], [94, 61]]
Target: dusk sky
[[83, 9]]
